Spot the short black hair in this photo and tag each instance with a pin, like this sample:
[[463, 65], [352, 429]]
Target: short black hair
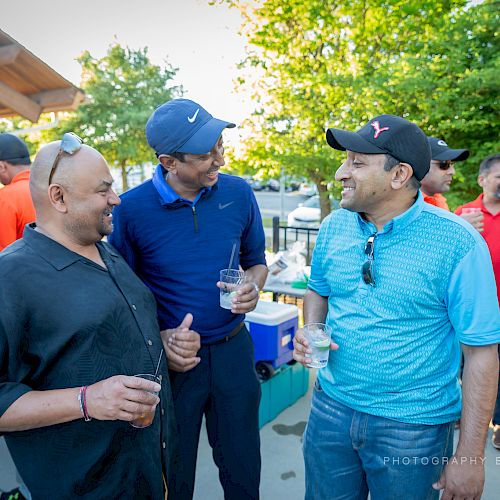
[[487, 163], [391, 162], [179, 156]]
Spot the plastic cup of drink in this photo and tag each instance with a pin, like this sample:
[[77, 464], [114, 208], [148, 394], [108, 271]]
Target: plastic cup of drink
[[319, 337], [146, 419], [231, 280]]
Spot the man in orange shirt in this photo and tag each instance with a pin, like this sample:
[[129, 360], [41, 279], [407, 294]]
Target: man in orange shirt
[[440, 174], [16, 207], [486, 208]]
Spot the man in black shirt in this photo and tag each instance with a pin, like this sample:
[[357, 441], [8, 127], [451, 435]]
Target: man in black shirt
[[76, 325]]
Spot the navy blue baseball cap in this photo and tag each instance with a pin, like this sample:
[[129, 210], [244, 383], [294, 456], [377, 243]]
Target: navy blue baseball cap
[[387, 134], [183, 126], [13, 150]]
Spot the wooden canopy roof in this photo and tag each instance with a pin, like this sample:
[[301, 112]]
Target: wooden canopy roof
[[28, 86]]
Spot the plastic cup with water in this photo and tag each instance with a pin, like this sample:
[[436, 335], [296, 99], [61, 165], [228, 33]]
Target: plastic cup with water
[[231, 280], [319, 337]]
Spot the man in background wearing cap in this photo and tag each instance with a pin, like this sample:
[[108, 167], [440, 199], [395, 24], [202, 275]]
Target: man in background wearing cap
[[178, 231], [486, 207], [16, 207], [397, 281], [441, 171], [440, 175]]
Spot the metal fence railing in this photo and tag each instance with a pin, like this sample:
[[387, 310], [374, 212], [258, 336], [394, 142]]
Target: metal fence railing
[[284, 236]]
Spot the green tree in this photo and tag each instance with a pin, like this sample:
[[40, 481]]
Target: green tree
[[313, 64], [458, 75], [122, 90]]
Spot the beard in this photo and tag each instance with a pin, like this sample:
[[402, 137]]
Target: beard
[[86, 228], [105, 227]]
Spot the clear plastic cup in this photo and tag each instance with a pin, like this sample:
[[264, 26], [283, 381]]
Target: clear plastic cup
[[146, 419], [319, 337], [231, 280]]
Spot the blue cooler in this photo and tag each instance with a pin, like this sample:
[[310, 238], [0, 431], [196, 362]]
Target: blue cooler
[[272, 327]]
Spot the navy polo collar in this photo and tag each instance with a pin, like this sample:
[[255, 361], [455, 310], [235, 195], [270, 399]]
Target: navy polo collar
[[167, 195]]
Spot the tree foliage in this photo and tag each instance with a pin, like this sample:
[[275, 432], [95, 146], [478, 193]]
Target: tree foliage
[[122, 90], [313, 64]]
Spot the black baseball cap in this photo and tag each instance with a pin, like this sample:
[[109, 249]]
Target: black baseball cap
[[441, 152], [387, 134], [13, 150]]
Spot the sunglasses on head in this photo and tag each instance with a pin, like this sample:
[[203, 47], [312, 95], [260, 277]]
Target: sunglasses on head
[[70, 144], [445, 164], [368, 268]]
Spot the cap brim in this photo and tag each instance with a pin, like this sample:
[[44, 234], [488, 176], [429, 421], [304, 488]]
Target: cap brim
[[21, 160], [342, 140], [204, 139], [452, 155]]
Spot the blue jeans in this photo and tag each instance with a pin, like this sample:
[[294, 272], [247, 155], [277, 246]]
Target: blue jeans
[[496, 414], [348, 453]]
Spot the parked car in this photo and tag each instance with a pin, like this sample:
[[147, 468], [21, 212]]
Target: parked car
[[254, 183], [308, 214], [308, 189], [273, 185], [292, 184]]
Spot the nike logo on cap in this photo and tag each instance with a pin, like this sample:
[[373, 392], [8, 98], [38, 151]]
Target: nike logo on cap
[[222, 207], [193, 118]]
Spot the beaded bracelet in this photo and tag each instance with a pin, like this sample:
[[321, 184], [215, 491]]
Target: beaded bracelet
[[83, 403]]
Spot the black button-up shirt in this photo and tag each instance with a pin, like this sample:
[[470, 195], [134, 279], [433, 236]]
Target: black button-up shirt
[[65, 322]]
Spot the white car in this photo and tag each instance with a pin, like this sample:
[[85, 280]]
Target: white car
[[308, 214], [307, 189]]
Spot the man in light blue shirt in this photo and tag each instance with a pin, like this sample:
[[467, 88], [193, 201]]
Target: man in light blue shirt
[[402, 284]]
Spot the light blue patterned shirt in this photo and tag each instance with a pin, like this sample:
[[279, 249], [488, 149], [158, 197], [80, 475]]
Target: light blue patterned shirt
[[399, 341]]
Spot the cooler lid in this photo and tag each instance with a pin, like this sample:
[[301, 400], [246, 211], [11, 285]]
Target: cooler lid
[[272, 313]]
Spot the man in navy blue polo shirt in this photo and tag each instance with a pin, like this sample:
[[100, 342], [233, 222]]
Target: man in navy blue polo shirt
[[177, 231], [402, 284]]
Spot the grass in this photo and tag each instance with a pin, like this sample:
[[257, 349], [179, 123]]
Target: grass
[[267, 221]]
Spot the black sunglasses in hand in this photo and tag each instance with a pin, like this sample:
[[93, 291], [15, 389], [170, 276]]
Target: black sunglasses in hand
[[70, 144]]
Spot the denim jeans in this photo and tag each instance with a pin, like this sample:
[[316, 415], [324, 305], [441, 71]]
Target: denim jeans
[[496, 414], [348, 453]]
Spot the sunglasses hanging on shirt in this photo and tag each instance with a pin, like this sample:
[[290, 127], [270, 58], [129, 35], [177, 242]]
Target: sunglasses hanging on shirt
[[368, 268]]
